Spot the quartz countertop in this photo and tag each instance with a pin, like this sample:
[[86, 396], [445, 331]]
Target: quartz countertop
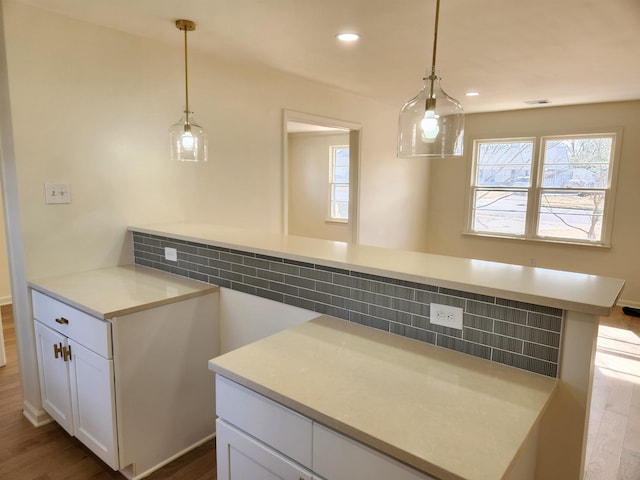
[[447, 414], [116, 291], [591, 294]]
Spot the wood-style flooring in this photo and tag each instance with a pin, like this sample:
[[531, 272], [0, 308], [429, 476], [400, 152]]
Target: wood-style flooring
[[613, 446], [613, 443], [49, 453]]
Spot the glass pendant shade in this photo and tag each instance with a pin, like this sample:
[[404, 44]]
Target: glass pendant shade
[[432, 123], [188, 140]]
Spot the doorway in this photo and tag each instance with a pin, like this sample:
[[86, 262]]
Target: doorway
[[320, 189]]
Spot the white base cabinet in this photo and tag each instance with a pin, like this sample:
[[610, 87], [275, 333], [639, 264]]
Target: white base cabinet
[[93, 400], [135, 389], [338, 457], [259, 438], [242, 457], [55, 385], [77, 388]]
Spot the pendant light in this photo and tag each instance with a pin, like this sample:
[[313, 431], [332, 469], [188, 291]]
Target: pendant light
[[432, 123], [188, 139]]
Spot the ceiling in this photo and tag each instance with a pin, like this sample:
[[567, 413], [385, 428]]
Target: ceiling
[[510, 51]]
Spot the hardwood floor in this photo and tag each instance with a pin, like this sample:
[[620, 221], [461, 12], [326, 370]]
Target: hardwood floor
[[613, 446], [49, 453]]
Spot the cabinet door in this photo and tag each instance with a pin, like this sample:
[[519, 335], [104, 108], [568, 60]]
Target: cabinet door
[[54, 375], [241, 457], [93, 397]]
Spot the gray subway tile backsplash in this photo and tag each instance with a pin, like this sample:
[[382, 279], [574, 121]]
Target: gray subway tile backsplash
[[519, 334], [412, 332]]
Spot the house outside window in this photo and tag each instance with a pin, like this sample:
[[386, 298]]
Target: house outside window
[[339, 184], [546, 188]]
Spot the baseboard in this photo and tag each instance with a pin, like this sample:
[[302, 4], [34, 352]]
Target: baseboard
[[129, 475], [36, 416], [628, 303], [5, 300]]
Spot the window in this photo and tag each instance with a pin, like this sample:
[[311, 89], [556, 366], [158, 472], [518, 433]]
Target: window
[[339, 184], [553, 188]]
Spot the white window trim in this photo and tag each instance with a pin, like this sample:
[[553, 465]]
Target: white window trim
[[330, 217], [535, 187]]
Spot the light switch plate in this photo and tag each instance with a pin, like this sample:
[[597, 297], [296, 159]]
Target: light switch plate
[[57, 193]]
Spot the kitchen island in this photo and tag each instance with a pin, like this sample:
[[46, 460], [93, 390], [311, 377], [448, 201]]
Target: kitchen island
[[534, 319], [449, 415]]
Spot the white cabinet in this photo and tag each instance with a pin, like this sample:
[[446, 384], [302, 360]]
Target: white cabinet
[[281, 428], [77, 384], [242, 457], [93, 399], [260, 438], [135, 388], [55, 386], [338, 457]]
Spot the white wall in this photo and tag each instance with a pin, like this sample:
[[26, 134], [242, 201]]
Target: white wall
[[309, 156], [91, 107], [86, 112], [450, 180]]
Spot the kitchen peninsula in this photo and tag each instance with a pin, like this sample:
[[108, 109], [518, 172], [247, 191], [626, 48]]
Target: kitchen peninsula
[[452, 416], [539, 320]]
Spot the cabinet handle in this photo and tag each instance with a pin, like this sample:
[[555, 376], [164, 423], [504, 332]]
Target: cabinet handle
[[66, 351], [62, 321], [57, 350]]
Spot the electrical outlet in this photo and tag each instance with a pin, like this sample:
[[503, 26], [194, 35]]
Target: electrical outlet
[[57, 193], [446, 315], [170, 254]]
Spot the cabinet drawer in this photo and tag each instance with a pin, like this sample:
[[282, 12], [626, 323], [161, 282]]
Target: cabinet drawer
[[281, 428], [336, 456], [93, 333]]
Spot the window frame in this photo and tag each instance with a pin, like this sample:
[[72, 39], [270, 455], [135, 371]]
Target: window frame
[[535, 188], [330, 202]]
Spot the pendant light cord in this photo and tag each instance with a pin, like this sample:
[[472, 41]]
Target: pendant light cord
[[186, 78], [435, 36], [433, 56]]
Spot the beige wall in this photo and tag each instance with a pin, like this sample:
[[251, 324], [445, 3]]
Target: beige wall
[[309, 188], [91, 107], [450, 180]]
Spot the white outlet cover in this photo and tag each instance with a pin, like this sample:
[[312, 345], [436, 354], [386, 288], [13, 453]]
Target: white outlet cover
[[446, 315], [170, 254]]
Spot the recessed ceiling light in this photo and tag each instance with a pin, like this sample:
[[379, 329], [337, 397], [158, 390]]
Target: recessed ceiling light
[[348, 37], [472, 94]]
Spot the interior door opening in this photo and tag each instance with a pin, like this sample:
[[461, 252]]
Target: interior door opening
[[321, 162]]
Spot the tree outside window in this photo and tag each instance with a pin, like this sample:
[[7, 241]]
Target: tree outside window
[[562, 194]]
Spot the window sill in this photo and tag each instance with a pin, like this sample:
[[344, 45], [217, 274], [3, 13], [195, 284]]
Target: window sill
[[603, 245], [336, 220]]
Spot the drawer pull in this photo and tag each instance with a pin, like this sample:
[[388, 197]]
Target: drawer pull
[[66, 351], [62, 321], [57, 350]]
